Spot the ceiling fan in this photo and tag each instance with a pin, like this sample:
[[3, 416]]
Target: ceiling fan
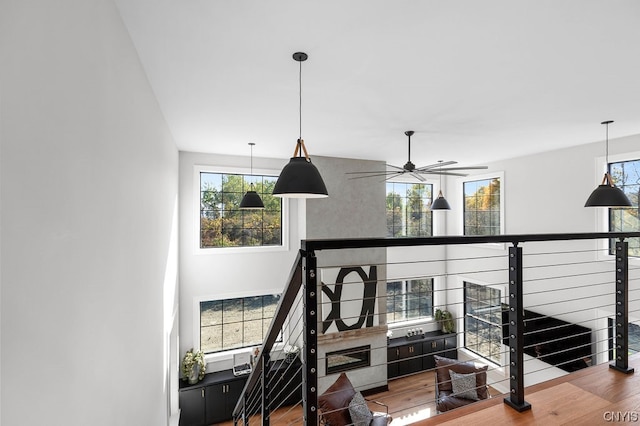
[[439, 168]]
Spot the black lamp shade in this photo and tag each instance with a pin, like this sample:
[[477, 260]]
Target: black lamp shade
[[440, 203], [606, 195], [300, 179], [251, 201]]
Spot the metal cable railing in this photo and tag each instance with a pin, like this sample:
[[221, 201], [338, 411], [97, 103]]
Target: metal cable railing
[[535, 314]]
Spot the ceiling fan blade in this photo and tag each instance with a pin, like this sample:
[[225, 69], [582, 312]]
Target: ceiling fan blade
[[370, 172], [466, 168], [393, 174], [391, 177], [417, 176], [442, 173], [437, 165], [395, 167]]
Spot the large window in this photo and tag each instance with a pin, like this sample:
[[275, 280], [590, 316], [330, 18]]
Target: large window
[[626, 175], [409, 209], [482, 208], [483, 321], [223, 224], [235, 323], [409, 300]]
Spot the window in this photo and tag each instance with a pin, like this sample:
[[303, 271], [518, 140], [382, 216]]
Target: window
[[626, 175], [223, 224], [409, 209], [483, 321], [482, 207], [235, 323], [409, 300]]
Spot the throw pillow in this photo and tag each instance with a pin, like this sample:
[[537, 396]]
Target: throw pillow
[[360, 413], [443, 365], [334, 402], [464, 385]]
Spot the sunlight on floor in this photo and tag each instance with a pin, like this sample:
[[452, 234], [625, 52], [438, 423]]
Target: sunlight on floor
[[410, 418]]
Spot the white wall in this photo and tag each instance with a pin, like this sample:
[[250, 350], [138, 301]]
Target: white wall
[[89, 178]]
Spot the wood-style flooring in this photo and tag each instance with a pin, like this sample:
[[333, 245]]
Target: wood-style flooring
[[593, 396]]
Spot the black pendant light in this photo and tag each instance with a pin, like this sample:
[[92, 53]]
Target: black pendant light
[[251, 200], [440, 203], [607, 194], [300, 178]]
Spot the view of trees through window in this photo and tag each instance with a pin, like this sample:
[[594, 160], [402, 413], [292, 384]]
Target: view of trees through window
[[482, 207], [235, 323], [223, 224], [483, 321], [626, 176], [410, 299], [409, 209]]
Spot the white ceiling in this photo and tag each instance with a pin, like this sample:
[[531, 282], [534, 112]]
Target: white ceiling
[[477, 80]]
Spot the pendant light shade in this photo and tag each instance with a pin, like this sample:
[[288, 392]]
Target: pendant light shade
[[300, 178], [607, 194], [440, 203], [251, 200]]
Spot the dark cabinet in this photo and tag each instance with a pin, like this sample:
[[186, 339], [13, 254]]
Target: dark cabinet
[[210, 401], [221, 399], [411, 355], [393, 357], [192, 407], [451, 346], [432, 347], [410, 359], [214, 398], [286, 382]]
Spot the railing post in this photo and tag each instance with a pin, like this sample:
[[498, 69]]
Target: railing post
[[266, 408], [516, 332], [310, 370], [622, 308]]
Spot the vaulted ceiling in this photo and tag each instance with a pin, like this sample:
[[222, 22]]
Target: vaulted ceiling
[[476, 80]]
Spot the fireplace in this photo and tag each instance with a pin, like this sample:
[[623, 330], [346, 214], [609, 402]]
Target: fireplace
[[348, 359]]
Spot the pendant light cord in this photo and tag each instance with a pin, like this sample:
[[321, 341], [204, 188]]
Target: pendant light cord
[[300, 104], [607, 145]]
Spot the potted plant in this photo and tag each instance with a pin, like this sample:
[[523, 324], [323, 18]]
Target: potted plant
[[445, 319], [193, 366]]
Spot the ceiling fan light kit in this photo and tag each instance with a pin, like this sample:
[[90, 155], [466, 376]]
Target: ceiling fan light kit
[[607, 194], [300, 178]]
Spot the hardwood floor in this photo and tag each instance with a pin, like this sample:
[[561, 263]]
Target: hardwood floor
[[593, 396], [596, 395]]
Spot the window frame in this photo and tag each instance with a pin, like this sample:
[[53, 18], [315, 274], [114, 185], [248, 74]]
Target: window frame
[[285, 223], [610, 210], [409, 321], [413, 181], [602, 214], [503, 301], [227, 355], [485, 176]]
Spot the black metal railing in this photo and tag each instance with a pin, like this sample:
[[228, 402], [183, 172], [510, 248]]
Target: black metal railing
[[290, 384]]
